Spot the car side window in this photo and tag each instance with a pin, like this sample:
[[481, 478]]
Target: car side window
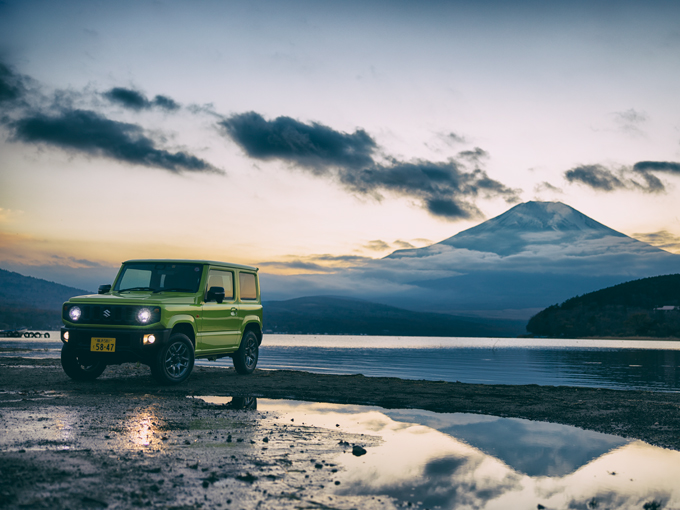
[[247, 285], [217, 278]]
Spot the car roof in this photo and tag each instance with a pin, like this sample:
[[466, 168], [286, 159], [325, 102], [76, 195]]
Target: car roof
[[192, 261]]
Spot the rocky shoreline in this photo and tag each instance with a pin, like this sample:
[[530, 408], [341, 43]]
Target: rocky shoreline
[[71, 444]]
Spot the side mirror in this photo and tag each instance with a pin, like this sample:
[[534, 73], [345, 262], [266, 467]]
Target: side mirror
[[216, 294], [104, 289]]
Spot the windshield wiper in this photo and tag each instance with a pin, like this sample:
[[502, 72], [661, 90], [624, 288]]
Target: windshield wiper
[[173, 289], [136, 288]]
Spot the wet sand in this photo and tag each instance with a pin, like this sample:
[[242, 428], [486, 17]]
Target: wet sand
[[124, 441]]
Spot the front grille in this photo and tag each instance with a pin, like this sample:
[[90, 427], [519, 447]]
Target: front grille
[[120, 315]]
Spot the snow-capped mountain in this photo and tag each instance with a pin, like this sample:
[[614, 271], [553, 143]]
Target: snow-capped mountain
[[534, 255], [527, 226]]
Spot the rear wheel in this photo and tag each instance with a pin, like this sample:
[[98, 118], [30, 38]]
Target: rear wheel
[[80, 367], [174, 361], [245, 359]]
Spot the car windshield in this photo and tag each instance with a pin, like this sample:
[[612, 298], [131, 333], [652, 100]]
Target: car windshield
[[159, 277]]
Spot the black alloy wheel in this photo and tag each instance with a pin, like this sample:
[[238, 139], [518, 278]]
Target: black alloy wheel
[[174, 361], [245, 359]]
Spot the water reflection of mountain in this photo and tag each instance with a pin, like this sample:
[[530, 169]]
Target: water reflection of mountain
[[428, 460], [532, 448]]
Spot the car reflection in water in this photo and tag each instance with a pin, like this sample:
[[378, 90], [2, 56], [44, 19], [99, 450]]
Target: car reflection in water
[[242, 403]]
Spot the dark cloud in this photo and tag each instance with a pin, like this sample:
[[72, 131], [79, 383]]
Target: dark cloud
[[90, 133], [165, 102], [596, 176], [444, 188], [127, 98], [135, 100], [474, 155], [639, 177], [657, 166], [11, 85], [313, 146]]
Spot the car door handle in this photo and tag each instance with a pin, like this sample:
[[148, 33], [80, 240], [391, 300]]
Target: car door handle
[[233, 311]]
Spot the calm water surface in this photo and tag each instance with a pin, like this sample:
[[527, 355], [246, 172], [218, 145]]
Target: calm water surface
[[621, 364]]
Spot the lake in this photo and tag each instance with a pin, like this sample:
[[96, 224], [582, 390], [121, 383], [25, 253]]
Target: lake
[[617, 364]]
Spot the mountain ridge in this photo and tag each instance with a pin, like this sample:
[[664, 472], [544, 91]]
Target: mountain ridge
[[347, 316], [26, 301]]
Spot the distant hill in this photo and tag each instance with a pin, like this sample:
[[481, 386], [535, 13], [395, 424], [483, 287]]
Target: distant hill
[[625, 310], [32, 302], [343, 316]]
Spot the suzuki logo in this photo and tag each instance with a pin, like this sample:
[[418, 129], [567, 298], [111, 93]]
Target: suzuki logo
[[107, 313]]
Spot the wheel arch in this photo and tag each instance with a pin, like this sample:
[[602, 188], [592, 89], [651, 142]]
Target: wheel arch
[[256, 328], [186, 329]]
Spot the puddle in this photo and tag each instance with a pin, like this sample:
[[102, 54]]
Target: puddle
[[428, 460], [266, 453]]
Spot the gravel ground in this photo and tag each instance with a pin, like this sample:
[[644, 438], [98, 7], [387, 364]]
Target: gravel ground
[[124, 441]]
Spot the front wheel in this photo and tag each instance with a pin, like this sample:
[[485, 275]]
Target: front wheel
[[245, 359], [174, 361], [79, 367]]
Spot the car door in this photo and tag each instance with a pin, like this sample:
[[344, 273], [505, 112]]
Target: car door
[[220, 324]]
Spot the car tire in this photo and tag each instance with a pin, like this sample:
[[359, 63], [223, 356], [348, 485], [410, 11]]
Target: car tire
[[245, 359], [174, 361], [79, 368]]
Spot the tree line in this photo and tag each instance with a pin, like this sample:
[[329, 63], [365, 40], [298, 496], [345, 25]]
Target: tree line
[[629, 309]]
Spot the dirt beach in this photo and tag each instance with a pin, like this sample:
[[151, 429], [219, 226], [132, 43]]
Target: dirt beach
[[124, 441]]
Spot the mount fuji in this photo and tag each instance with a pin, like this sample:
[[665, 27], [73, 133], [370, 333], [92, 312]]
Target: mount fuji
[[525, 227], [511, 266]]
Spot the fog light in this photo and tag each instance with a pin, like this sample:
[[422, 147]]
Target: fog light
[[65, 336], [149, 339]]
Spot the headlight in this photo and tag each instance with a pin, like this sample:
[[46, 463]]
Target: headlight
[[144, 316], [74, 313]]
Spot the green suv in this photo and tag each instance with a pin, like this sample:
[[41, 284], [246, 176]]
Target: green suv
[[165, 313]]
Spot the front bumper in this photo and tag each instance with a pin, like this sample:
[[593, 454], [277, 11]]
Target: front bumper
[[129, 345]]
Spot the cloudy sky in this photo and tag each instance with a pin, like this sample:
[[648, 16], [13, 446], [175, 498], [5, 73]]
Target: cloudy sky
[[283, 133]]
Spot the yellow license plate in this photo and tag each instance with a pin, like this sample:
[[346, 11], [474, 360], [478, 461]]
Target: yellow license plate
[[103, 344]]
